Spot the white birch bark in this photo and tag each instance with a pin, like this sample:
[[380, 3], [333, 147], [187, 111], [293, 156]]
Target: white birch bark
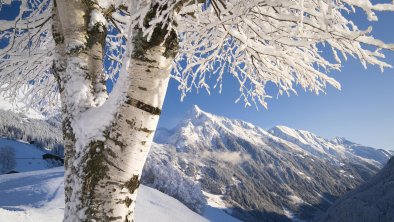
[[115, 164], [78, 68], [105, 183], [102, 176]]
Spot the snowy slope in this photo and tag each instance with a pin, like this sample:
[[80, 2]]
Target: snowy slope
[[379, 155], [371, 202], [336, 149], [39, 196], [28, 157], [310, 142]]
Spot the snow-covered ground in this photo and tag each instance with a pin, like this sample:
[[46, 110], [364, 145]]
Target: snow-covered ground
[[38, 196], [28, 157]]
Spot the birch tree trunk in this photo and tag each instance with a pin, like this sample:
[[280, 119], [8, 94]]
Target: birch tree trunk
[[114, 166], [102, 177], [105, 184], [59, 68]]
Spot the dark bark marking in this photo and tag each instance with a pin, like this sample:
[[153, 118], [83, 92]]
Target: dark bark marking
[[146, 130], [97, 33], [142, 88], [161, 36], [119, 143], [113, 183], [116, 140], [113, 218], [113, 165], [111, 153], [132, 184], [143, 106], [95, 171], [128, 201], [130, 122], [75, 50], [128, 214]]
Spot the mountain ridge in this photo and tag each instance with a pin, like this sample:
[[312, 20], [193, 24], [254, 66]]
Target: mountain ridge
[[257, 173]]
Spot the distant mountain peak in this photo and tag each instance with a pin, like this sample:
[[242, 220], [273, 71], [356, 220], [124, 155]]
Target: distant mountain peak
[[284, 129], [196, 116], [288, 132], [193, 117], [342, 140], [195, 112], [196, 109]]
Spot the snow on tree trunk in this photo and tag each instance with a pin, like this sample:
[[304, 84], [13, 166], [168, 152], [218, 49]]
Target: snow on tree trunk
[[114, 166], [104, 161], [78, 69], [105, 183], [59, 68]]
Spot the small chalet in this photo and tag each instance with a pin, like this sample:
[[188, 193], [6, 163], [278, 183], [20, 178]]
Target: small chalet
[[50, 156]]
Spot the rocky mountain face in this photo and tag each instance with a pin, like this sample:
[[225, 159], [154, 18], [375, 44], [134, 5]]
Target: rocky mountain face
[[371, 202], [256, 175]]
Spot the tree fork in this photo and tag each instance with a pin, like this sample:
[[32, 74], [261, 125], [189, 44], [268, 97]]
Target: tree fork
[[122, 155], [102, 178]]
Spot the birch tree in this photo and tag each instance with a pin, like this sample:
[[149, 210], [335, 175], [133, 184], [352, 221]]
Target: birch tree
[[65, 51]]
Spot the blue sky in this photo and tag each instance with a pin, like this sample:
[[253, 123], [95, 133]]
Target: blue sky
[[363, 111]]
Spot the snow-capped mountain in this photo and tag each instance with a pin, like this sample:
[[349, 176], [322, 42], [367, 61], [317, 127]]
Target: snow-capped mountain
[[373, 201], [18, 107], [256, 175], [336, 149], [378, 155]]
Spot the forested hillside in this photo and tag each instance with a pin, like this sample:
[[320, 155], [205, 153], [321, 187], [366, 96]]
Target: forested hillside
[[42, 133]]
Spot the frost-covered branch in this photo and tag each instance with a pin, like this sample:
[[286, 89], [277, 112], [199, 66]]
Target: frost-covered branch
[[256, 41], [261, 41], [26, 58]]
